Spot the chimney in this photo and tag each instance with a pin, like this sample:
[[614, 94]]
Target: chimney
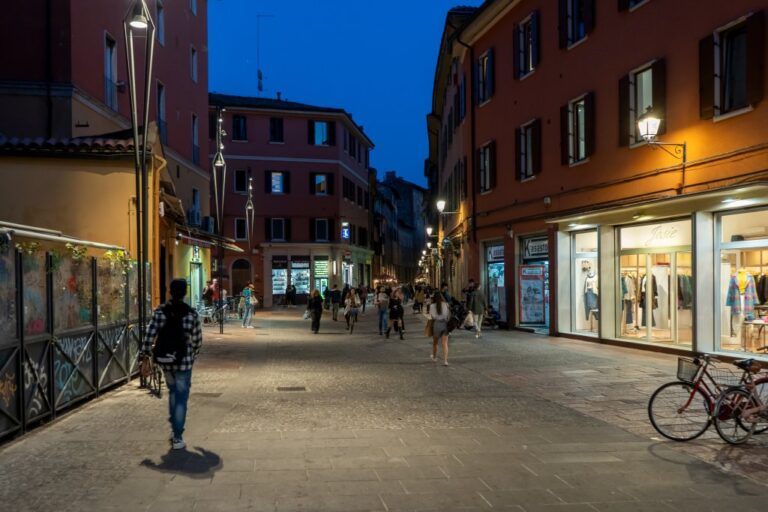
[[278, 96]]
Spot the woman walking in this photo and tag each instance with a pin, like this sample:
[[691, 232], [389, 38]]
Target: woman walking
[[315, 307], [439, 312], [351, 308], [250, 301]]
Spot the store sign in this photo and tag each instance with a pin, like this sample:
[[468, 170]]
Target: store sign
[[279, 261], [345, 231], [535, 248], [495, 253], [668, 234], [299, 264], [195, 253], [321, 268]]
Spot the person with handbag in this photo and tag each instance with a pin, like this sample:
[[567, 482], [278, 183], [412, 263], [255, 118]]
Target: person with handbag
[[315, 308], [250, 303], [439, 313], [351, 306]]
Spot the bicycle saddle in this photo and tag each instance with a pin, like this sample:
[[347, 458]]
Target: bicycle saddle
[[748, 365]]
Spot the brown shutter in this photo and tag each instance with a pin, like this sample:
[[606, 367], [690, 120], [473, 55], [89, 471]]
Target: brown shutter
[[624, 114], [476, 172], [516, 52], [286, 182], [287, 230], [589, 16], [562, 27], [623, 5], [518, 153], [659, 76], [331, 230], [329, 184], [536, 39], [536, 146], [311, 132], [707, 77], [755, 57], [332, 133], [492, 165], [267, 182], [312, 183], [268, 229], [589, 114], [312, 230], [565, 133]]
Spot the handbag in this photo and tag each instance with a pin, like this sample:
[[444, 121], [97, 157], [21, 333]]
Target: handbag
[[306, 314], [429, 329], [253, 301]]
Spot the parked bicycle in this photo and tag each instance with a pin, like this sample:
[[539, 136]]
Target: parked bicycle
[[150, 376], [684, 409], [742, 411]]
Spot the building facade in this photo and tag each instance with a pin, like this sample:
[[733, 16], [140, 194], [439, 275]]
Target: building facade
[[67, 78], [307, 169], [573, 224]]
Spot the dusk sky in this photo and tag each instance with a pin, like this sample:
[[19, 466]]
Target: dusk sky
[[374, 58]]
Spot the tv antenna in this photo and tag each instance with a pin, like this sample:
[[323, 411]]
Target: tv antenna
[[259, 74]]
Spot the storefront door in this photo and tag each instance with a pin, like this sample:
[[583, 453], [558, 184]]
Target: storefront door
[[533, 283], [494, 279], [195, 283]]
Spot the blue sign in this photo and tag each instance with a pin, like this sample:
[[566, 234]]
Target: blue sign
[[345, 233]]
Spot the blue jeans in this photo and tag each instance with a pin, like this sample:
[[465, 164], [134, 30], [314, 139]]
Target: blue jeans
[[383, 320], [179, 383], [247, 314]]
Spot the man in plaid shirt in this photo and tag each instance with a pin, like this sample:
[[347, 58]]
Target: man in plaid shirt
[[178, 373]]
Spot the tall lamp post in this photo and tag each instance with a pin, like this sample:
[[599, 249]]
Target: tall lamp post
[[219, 193], [138, 24]]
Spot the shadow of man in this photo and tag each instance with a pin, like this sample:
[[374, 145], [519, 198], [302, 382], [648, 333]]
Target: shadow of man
[[195, 464]]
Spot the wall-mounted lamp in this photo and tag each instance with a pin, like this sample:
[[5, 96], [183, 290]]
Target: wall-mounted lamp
[[648, 126]]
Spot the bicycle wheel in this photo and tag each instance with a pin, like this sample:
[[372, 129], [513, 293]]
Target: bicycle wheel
[[761, 390], [157, 381], [729, 417], [679, 412]]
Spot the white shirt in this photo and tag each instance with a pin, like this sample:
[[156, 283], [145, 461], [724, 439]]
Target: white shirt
[[446, 312]]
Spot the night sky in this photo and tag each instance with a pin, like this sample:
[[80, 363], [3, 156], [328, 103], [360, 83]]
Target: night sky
[[374, 58]]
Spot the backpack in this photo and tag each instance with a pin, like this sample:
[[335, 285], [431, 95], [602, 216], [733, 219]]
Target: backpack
[[171, 344]]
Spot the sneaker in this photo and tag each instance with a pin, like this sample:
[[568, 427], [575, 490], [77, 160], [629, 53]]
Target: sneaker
[[250, 327], [445, 363], [178, 444], [433, 358]]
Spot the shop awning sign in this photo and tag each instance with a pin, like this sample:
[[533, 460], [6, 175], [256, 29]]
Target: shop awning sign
[[535, 248], [496, 253]]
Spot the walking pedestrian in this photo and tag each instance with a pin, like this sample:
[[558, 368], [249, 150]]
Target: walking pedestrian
[[363, 297], [439, 312], [395, 316], [175, 336], [250, 301], [477, 308], [381, 301], [335, 301], [418, 303], [315, 307], [351, 306]]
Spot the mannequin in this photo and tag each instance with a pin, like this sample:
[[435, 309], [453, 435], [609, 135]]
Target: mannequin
[[591, 294], [655, 297]]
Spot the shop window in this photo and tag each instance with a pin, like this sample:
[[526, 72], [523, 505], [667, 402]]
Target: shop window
[[741, 227], [585, 285]]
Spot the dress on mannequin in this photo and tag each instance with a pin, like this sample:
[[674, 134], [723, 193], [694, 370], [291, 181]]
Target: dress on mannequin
[[591, 294], [655, 297]]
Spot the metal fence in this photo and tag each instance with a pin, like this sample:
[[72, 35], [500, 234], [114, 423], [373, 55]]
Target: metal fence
[[68, 330]]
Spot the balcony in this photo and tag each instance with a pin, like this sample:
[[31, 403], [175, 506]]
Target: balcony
[[162, 125], [195, 154], [110, 93]]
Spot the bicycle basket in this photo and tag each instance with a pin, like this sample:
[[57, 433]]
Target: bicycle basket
[[686, 369], [724, 377]]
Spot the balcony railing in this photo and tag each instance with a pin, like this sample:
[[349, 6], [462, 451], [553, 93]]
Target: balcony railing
[[110, 93], [196, 154], [162, 125]]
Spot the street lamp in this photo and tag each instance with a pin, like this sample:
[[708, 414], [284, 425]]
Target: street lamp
[[219, 193], [138, 19], [648, 127], [429, 245], [429, 230]]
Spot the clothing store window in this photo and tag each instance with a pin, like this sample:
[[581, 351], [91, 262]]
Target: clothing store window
[[585, 284], [655, 283], [743, 281]]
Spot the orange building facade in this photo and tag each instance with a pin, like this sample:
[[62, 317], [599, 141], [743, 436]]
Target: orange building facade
[[571, 222]]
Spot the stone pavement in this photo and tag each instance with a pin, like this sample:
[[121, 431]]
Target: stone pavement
[[517, 422]]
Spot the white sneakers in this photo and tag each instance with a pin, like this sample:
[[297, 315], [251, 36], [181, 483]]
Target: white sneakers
[[178, 444]]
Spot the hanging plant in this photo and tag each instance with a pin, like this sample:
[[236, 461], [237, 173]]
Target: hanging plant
[[28, 247], [78, 252], [118, 258], [56, 258]]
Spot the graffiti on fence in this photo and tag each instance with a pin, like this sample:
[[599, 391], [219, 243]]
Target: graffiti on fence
[[68, 381], [35, 374], [8, 388]]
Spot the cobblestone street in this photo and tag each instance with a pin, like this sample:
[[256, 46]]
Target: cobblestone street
[[284, 420]]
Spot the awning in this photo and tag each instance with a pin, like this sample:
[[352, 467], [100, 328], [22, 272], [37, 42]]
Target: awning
[[203, 240], [720, 200], [9, 228]]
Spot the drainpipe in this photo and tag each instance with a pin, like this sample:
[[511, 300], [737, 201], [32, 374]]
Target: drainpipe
[[48, 71]]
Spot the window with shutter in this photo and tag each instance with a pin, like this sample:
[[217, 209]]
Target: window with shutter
[[577, 19], [277, 230], [276, 130], [486, 164], [579, 129], [485, 76], [526, 46], [321, 230], [240, 229], [241, 181], [525, 153], [239, 130]]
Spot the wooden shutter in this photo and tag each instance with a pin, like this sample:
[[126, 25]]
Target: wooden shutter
[[313, 230], [624, 113], [287, 229], [312, 183], [476, 82], [492, 165], [659, 88], [286, 182], [268, 229], [267, 182], [516, 63], [589, 123], [518, 154], [755, 57], [707, 77], [535, 43], [489, 79], [332, 133], [311, 132], [589, 16], [477, 172], [623, 5], [565, 134], [536, 146], [329, 184], [562, 26], [331, 230]]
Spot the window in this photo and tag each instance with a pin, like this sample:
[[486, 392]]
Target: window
[[240, 229], [359, 196], [628, 5], [733, 67], [321, 230], [318, 184], [352, 145], [193, 6], [577, 136], [577, 19], [277, 182], [362, 237], [349, 189], [193, 64], [484, 77], [239, 128], [276, 129], [528, 150], [278, 230], [487, 166], [526, 44], [241, 181], [162, 125], [640, 91], [322, 133], [110, 73], [462, 97], [195, 142], [160, 23]]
